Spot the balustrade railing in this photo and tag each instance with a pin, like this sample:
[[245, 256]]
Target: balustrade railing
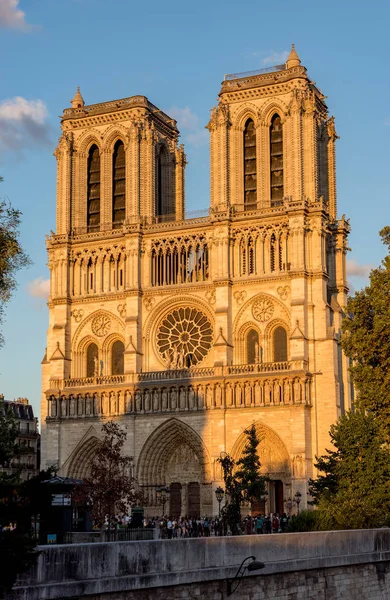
[[179, 374]]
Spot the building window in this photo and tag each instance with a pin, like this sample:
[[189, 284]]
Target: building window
[[276, 152], [250, 178], [118, 185], [92, 359], [93, 206], [163, 170], [252, 347], [272, 252], [118, 358], [280, 344]]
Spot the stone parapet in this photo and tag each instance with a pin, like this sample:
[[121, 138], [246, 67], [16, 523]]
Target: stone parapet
[[121, 567]]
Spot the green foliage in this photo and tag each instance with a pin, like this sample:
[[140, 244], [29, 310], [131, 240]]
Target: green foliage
[[307, 520], [110, 486], [366, 341], [243, 482], [12, 255], [9, 430], [354, 491]]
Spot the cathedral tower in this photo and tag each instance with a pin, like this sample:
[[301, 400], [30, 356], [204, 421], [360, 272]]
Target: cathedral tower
[[189, 330]]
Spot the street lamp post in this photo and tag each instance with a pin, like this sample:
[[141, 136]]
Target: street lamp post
[[161, 495], [289, 504], [297, 498], [219, 492]]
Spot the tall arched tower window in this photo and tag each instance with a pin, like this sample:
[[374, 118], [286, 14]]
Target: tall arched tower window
[[250, 179], [162, 200], [118, 185], [92, 358], [117, 358], [93, 200], [276, 152], [252, 347], [280, 344]]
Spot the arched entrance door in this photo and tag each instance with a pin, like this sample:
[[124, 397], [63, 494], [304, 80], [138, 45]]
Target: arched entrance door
[[193, 500], [174, 456], [175, 500]]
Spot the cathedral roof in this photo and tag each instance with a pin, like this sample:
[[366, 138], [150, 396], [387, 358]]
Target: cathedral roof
[[78, 100]]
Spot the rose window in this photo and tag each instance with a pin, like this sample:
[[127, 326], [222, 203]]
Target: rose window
[[185, 333], [262, 309]]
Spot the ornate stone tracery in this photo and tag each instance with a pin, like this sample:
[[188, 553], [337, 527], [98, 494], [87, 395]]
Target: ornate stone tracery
[[184, 337]]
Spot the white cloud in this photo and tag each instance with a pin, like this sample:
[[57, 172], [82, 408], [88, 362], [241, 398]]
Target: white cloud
[[354, 269], [189, 124], [22, 123], [11, 17], [39, 288], [275, 58]]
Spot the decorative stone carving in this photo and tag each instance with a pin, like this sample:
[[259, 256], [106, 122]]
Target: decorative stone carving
[[283, 291], [149, 303], [210, 296], [299, 466], [240, 296], [262, 309], [77, 314], [121, 308], [184, 337], [101, 325]]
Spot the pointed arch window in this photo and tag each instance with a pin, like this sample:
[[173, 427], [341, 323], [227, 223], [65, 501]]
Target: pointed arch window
[[118, 358], [118, 185], [276, 154], [93, 194], [280, 344], [252, 347], [250, 176], [92, 359]]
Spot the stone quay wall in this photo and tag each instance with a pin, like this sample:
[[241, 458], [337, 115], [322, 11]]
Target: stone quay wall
[[333, 565]]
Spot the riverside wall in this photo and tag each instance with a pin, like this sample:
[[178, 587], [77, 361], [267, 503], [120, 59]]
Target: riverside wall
[[333, 565]]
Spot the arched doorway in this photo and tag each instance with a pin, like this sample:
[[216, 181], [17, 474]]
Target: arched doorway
[[174, 456], [275, 463]]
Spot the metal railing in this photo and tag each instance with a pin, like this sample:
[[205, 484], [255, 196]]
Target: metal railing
[[232, 76]]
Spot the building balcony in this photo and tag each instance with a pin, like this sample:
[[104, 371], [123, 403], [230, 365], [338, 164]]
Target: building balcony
[[178, 375]]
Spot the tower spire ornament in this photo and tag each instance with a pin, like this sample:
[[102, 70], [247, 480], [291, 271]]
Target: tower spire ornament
[[78, 100], [293, 59]]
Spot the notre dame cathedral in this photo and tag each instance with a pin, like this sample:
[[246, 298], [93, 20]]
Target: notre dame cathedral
[[188, 330]]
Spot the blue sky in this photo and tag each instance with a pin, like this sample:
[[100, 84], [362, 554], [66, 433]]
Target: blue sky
[[177, 53]]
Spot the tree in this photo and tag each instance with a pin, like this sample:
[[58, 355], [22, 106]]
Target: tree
[[12, 255], [366, 341], [110, 487], [243, 482], [354, 491]]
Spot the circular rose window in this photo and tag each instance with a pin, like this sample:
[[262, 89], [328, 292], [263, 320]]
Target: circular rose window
[[184, 337]]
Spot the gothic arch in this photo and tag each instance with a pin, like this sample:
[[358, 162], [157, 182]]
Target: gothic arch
[[274, 457], [240, 343], [270, 108], [78, 463], [85, 141], [282, 309], [249, 111], [159, 447], [84, 335], [114, 134]]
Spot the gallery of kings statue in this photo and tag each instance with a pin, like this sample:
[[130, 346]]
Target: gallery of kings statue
[[188, 330]]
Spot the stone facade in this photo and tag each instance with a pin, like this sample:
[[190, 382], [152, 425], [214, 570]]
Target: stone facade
[[188, 330]]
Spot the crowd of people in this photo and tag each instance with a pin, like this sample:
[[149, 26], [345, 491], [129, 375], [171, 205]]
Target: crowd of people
[[184, 527], [204, 527]]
